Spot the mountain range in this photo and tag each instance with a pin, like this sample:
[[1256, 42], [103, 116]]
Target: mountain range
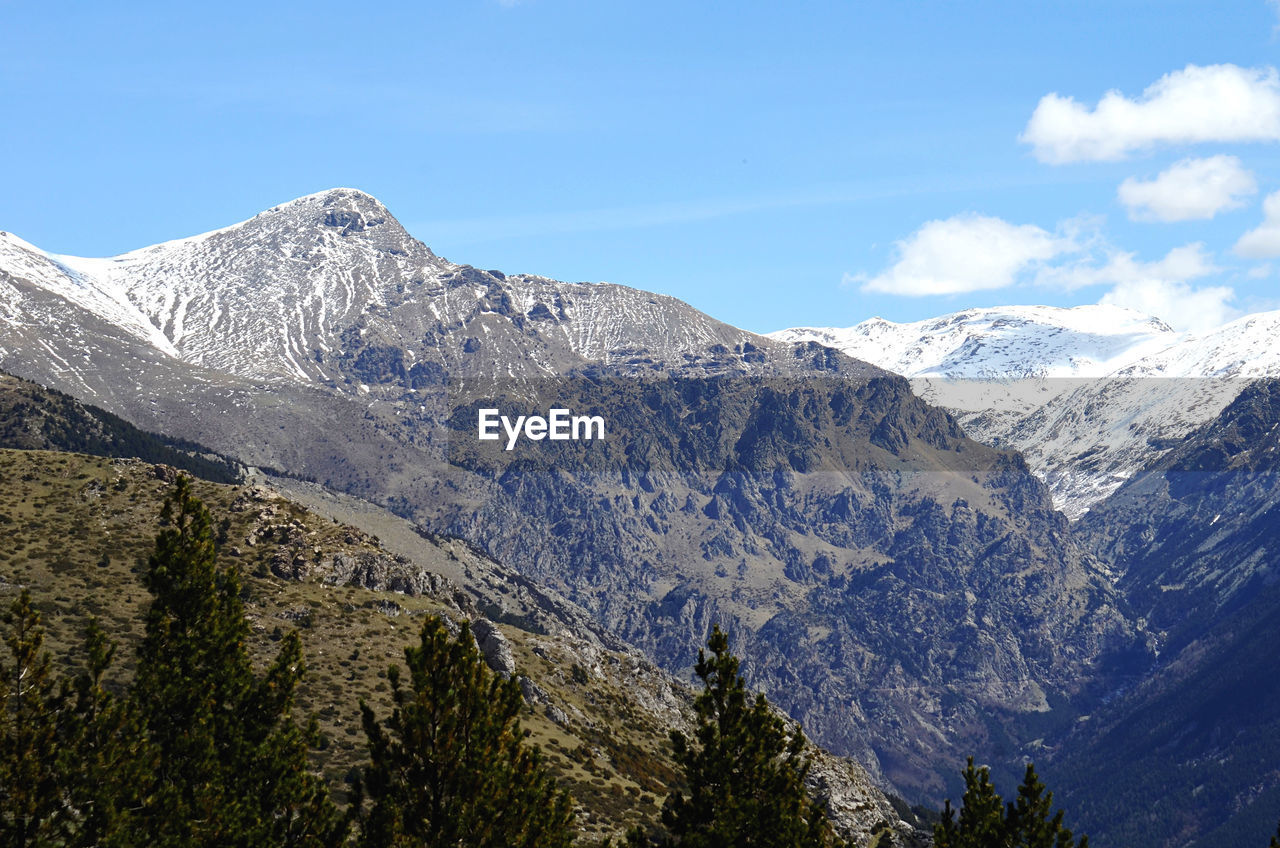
[[1088, 394], [928, 540]]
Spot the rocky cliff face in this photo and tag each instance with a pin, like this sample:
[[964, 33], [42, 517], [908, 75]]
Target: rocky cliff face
[[908, 594], [1191, 536]]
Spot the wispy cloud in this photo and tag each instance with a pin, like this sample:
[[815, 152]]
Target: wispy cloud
[[489, 228], [601, 219], [276, 90]]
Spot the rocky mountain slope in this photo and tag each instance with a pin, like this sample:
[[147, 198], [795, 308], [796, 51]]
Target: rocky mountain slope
[[1191, 536], [1087, 394], [907, 593], [600, 714]]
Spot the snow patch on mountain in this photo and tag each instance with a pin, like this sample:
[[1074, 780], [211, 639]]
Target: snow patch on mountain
[[83, 282]]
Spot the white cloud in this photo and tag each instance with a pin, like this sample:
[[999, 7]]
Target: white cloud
[[1190, 190], [1263, 242], [1196, 104], [965, 253]]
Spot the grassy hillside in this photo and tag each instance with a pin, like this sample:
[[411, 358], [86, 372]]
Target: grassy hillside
[[78, 530]]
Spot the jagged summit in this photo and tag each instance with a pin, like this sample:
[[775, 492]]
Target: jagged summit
[[264, 297], [330, 196], [335, 207], [347, 210]]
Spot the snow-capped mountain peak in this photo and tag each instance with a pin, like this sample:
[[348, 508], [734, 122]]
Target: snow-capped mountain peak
[[330, 289]]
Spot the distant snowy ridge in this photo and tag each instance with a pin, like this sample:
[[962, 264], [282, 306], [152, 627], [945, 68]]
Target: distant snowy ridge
[[1004, 343], [1089, 394]]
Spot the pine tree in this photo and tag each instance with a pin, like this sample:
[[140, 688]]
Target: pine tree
[[986, 822], [232, 767], [981, 814], [30, 781], [450, 767], [107, 761], [1275, 840], [744, 770], [1032, 820]]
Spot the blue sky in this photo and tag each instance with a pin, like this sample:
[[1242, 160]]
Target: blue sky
[[814, 163]]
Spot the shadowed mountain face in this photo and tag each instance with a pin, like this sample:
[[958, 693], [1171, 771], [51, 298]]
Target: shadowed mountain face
[[907, 593], [36, 418], [1197, 530], [1193, 539]]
